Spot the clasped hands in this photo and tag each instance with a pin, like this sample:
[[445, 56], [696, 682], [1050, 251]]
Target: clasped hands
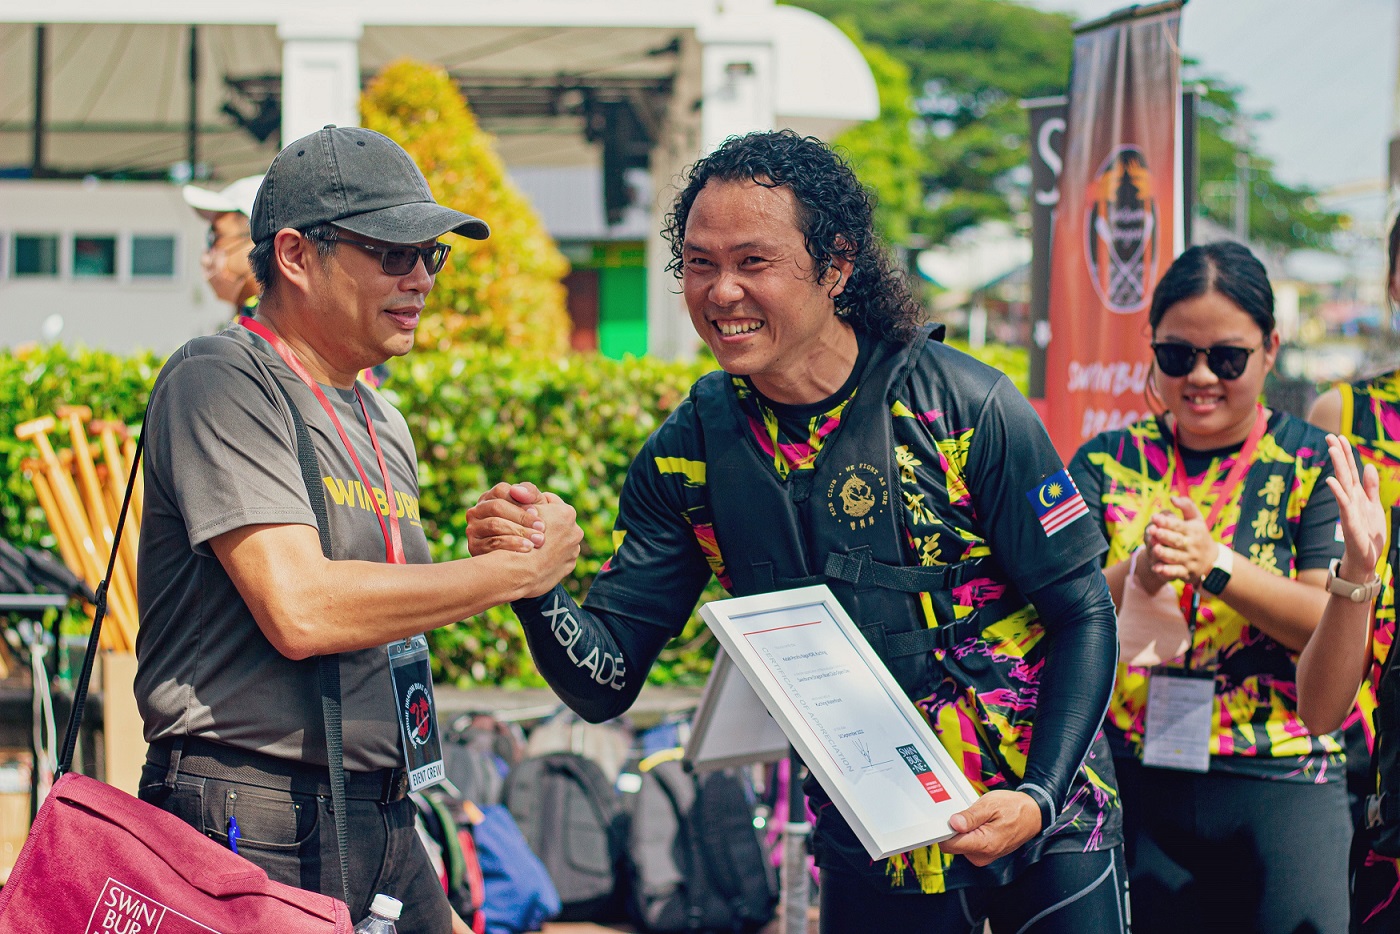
[[1176, 547], [515, 517], [522, 519], [1180, 547]]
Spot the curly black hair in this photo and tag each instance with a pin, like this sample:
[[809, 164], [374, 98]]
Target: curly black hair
[[835, 212]]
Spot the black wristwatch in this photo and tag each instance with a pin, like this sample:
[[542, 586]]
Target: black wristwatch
[[1042, 798], [1220, 572]]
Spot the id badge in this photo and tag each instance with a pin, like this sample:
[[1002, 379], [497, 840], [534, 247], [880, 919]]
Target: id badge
[[417, 712], [1180, 704]]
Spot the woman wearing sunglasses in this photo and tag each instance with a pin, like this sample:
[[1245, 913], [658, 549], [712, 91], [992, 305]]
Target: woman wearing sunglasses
[[1221, 529]]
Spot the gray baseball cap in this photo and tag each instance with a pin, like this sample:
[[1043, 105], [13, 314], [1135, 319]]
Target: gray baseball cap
[[359, 180]]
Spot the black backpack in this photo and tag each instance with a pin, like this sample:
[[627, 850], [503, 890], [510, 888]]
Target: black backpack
[[570, 815], [697, 860]]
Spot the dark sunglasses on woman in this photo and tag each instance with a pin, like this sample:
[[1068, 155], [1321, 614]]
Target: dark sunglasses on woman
[[1226, 362], [400, 260]]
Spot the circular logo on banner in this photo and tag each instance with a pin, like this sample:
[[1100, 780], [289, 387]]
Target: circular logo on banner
[[857, 495], [1121, 232], [417, 714]]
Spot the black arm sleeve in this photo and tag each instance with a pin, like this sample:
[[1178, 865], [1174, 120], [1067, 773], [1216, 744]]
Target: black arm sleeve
[[1081, 656], [595, 660]]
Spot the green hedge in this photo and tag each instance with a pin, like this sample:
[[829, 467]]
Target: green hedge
[[570, 424], [35, 381]]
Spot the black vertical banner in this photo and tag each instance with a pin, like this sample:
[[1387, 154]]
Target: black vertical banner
[[1047, 145], [1190, 160]]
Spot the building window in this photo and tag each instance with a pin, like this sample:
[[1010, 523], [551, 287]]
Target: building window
[[94, 257], [36, 255], [152, 256]]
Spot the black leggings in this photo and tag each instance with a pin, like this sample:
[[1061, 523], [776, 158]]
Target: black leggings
[[1063, 893], [1231, 853]]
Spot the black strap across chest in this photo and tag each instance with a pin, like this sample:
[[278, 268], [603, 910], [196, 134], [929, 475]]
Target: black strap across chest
[[840, 523], [328, 666]]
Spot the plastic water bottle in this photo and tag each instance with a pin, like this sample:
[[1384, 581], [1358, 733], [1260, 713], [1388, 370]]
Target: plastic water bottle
[[383, 912]]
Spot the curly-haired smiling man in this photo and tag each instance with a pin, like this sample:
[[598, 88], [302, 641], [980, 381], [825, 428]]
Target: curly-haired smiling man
[[998, 624]]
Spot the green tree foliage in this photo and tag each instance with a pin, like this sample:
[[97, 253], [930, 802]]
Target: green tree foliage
[[1280, 215], [885, 152], [478, 415], [501, 292], [969, 63]]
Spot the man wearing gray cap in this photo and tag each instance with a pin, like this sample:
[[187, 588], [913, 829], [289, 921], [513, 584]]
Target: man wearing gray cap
[[266, 568]]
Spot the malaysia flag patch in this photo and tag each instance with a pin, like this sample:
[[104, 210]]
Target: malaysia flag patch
[[1057, 502]]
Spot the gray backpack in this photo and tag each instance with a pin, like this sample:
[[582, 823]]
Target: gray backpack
[[696, 859], [570, 815]]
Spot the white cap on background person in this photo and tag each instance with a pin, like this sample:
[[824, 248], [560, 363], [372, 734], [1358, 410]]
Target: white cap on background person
[[237, 197], [225, 259]]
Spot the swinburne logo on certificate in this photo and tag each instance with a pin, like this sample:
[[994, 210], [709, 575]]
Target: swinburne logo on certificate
[[1057, 502], [924, 774]]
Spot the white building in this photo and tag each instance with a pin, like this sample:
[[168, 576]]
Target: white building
[[104, 107]]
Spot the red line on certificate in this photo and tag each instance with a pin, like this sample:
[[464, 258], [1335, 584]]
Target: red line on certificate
[[759, 632]]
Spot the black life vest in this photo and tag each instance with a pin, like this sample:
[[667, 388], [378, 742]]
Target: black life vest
[[840, 523], [1383, 805]]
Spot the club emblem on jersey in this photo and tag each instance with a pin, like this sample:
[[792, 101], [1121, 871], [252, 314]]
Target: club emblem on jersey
[[1120, 229], [857, 495]]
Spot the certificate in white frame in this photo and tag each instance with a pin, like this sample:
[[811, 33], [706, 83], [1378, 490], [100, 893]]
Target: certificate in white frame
[[864, 740]]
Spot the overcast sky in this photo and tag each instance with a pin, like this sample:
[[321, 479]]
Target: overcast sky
[[1324, 70]]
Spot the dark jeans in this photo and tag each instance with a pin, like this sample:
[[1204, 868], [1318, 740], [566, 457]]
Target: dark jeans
[[1219, 852], [291, 835], [1062, 893]]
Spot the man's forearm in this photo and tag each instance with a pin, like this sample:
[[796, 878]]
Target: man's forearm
[[307, 605], [595, 662], [1076, 679]]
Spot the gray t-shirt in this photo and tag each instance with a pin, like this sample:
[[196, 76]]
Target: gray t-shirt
[[220, 455]]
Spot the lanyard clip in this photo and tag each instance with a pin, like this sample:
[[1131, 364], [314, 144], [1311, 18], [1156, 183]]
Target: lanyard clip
[[1191, 623]]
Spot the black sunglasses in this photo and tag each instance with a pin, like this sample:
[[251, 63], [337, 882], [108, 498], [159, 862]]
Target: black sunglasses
[[1226, 362], [400, 260], [212, 237]]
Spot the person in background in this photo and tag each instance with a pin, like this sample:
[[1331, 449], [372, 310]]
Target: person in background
[[1221, 529], [1367, 414], [225, 259]]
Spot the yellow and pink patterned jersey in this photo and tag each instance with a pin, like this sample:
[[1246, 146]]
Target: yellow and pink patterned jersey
[[1281, 517], [967, 459]]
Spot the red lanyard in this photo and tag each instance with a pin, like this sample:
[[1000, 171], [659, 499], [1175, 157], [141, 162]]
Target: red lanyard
[[393, 542], [1243, 460]]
